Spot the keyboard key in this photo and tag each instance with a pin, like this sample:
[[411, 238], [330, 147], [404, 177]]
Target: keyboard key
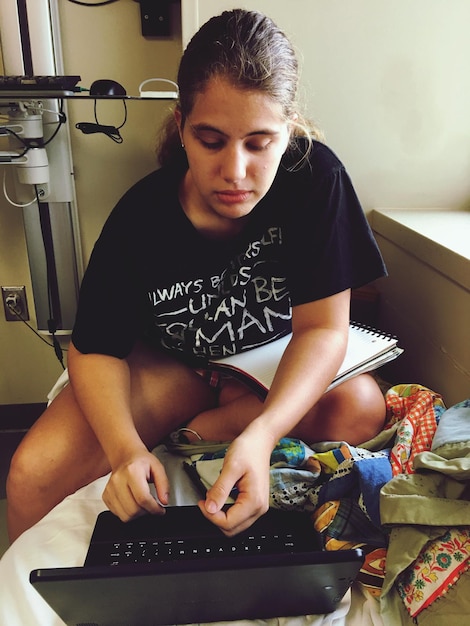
[[196, 548]]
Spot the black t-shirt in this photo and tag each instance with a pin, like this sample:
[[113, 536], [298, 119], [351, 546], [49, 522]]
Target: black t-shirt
[[153, 276]]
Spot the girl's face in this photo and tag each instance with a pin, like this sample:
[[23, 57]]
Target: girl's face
[[234, 140]]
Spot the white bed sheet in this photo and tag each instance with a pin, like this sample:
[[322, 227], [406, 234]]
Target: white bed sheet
[[61, 540]]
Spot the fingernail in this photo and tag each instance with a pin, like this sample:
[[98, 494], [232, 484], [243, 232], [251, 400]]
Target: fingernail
[[211, 506]]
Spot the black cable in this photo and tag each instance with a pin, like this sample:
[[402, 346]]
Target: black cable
[[25, 37], [93, 4], [55, 342], [12, 132], [115, 135], [112, 132], [21, 140], [25, 322], [125, 114], [51, 275], [37, 144], [89, 128], [62, 119]]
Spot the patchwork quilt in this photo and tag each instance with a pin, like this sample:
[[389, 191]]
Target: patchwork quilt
[[386, 496]]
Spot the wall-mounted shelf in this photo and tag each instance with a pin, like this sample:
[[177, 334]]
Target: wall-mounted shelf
[[15, 96]]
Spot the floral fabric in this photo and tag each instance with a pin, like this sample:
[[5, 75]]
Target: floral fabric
[[418, 410], [438, 567]]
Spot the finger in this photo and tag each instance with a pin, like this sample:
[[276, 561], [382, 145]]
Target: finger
[[141, 493], [129, 505], [120, 502], [239, 517], [161, 482], [129, 496], [142, 501], [233, 519], [219, 493]]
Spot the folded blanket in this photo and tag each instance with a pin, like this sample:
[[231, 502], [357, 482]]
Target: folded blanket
[[428, 511]]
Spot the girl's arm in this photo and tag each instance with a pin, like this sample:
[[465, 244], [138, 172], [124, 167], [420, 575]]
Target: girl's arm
[[101, 386], [309, 364]]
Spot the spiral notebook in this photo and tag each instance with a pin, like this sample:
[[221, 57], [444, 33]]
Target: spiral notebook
[[368, 349]]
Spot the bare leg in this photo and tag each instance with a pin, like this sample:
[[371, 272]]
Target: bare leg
[[352, 412], [60, 453]]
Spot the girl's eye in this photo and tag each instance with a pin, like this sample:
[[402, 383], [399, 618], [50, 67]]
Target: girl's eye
[[212, 145], [258, 146], [214, 141], [211, 141], [218, 144]]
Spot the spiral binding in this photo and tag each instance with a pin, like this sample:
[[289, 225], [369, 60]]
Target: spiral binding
[[370, 330]]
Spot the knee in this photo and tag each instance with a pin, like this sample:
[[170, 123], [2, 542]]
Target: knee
[[21, 475], [365, 403], [24, 493], [363, 393], [354, 411]]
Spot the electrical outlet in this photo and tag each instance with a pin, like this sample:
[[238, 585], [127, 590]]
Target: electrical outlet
[[15, 304]]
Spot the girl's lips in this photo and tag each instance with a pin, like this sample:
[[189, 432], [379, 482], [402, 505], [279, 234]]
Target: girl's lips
[[233, 196]]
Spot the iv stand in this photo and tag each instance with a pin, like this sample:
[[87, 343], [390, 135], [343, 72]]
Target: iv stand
[[51, 225]]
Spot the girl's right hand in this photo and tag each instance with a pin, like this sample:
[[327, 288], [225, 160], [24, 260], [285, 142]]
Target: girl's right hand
[[127, 493]]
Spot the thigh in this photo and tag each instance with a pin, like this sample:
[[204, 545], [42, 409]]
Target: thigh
[[61, 453], [165, 394]]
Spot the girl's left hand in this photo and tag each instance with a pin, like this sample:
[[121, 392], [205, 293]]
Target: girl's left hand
[[246, 466]]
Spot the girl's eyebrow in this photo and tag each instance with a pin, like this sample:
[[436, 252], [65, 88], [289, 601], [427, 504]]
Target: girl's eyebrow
[[197, 128]]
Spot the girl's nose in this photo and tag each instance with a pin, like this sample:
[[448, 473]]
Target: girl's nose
[[233, 165]]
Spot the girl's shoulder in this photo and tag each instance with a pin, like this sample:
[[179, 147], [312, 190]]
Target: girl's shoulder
[[159, 188], [143, 206], [311, 158], [162, 181]]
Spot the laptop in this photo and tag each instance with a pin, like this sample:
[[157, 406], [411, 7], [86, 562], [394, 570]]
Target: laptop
[[179, 568]]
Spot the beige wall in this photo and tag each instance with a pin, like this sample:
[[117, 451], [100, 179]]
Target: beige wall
[[104, 42]]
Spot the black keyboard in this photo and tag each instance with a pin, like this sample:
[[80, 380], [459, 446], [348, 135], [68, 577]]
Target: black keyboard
[[127, 552], [39, 83], [183, 533]]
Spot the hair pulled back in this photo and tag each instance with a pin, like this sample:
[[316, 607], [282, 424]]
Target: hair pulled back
[[247, 49]]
